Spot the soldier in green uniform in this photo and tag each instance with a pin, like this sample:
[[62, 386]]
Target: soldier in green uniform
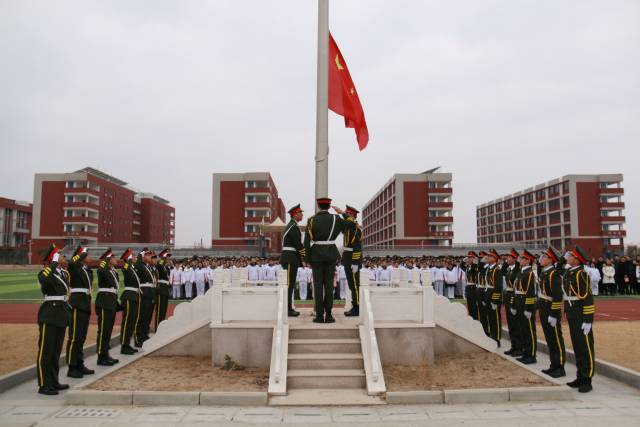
[[146, 274], [106, 305], [322, 230], [164, 289], [293, 252], [493, 295], [470, 289], [130, 301], [352, 260], [510, 277], [550, 309], [81, 278], [579, 309], [525, 295], [53, 318], [480, 292]]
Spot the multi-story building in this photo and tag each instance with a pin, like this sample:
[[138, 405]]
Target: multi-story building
[[92, 208], [15, 223], [583, 210], [410, 210], [241, 203]]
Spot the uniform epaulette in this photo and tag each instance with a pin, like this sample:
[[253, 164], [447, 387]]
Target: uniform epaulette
[[103, 264], [46, 272], [75, 258]]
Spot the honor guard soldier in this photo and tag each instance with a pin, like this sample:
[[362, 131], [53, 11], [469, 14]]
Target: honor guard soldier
[[550, 309], [525, 298], [322, 229], [144, 269], [580, 310], [352, 260], [511, 275], [480, 292], [493, 295], [164, 289], [293, 252], [470, 292], [81, 278], [130, 301], [106, 305], [53, 318]]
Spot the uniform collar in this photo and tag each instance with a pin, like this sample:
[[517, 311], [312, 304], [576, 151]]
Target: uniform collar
[[548, 267]]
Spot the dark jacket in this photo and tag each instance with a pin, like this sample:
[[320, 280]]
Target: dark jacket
[[577, 283], [551, 287], [107, 278], [80, 277], [292, 238], [352, 246], [131, 280], [325, 227], [146, 275], [53, 283], [163, 279]]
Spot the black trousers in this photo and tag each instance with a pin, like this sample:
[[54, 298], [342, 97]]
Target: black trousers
[[494, 321], [482, 311], [146, 312], [78, 327], [292, 273], [50, 342], [309, 291], [130, 314], [472, 303], [162, 302], [512, 321], [353, 280], [528, 332], [552, 335], [582, 344], [323, 273], [106, 319]]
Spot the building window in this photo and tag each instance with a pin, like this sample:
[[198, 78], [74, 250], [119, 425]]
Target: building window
[[565, 187]]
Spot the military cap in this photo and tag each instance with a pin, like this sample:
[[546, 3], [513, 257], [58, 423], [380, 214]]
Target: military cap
[[528, 255], [127, 255], [551, 254], [514, 254], [294, 210], [107, 254], [49, 254], [579, 253]]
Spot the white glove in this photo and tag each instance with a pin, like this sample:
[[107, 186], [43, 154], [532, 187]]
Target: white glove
[[493, 306], [513, 311], [586, 328], [527, 314], [354, 268], [55, 257], [552, 321], [483, 303]]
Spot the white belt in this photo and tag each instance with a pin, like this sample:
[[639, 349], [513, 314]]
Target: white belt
[[471, 284], [55, 298], [567, 298], [508, 289], [80, 291], [488, 287], [109, 290], [324, 242], [166, 282], [544, 297], [131, 288], [289, 248], [147, 285], [520, 293], [347, 249]]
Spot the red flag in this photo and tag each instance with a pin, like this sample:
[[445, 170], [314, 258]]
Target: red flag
[[343, 98]]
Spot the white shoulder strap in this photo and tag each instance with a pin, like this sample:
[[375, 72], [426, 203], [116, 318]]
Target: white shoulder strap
[[332, 227]]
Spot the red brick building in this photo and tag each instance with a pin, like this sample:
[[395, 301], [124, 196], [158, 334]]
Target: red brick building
[[15, 223], [93, 208], [410, 210], [241, 202], [583, 210]]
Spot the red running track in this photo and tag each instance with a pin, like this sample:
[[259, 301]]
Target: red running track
[[605, 310]]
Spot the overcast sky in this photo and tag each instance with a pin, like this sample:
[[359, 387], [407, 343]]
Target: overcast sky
[[503, 94]]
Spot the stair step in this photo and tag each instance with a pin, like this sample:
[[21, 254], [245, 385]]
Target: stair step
[[318, 333], [325, 361], [325, 378], [326, 397], [325, 345]]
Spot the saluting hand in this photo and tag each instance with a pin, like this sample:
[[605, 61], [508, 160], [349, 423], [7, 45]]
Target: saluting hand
[[337, 209]]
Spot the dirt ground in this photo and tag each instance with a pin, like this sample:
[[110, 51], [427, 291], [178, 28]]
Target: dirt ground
[[19, 345], [182, 373], [617, 342], [474, 370]]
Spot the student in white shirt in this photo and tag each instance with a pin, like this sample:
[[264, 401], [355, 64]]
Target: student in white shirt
[[198, 278], [176, 281], [450, 280], [383, 275], [309, 276], [342, 278], [253, 271], [187, 280], [301, 283]]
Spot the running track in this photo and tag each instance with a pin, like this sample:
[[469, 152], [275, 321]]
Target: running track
[[605, 310]]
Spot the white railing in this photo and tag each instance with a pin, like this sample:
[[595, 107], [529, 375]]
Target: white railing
[[281, 322], [370, 339]]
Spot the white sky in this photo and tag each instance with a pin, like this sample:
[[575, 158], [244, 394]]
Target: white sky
[[503, 94]]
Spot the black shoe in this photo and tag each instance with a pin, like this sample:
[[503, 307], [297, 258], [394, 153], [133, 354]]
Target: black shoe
[[354, 312], [86, 371], [575, 383], [125, 349], [329, 319], [59, 386], [585, 387], [318, 320], [527, 360], [74, 372], [293, 313], [112, 360], [509, 352], [547, 371], [516, 353], [557, 373], [104, 361], [49, 391]]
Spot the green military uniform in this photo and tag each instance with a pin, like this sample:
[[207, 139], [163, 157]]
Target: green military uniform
[[163, 291], [510, 277], [470, 291], [148, 284], [322, 230], [550, 307], [81, 279], [53, 318], [580, 310], [352, 261], [480, 294], [493, 298], [106, 307], [525, 302], [130, 301], [293, 252]]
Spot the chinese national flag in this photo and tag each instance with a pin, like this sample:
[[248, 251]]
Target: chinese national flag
[[343, 98]]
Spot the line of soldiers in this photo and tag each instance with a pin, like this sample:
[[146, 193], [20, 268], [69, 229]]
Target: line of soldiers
[[320, 251], [67, 289], [514, 284]]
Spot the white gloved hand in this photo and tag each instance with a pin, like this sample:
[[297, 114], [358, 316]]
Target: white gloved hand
[[586, 328], [483, 303], [513, 311], [527, 314], [493, 306], [55, 257], [552, 321], [354, 268]]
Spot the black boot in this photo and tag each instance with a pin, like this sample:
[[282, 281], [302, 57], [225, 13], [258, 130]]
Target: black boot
[[59, 386], [509, 352], [104, 360], [74, 372], [329, 319], [354, 312], [293, 313], [557, 373], [527, 360], [575, 383], [49, 391], [516, 353], [125, 349], [586, 386], [318, 319], [112, 360], [85, 370]]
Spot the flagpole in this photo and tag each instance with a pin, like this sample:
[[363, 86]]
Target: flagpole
[[322, 102]]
